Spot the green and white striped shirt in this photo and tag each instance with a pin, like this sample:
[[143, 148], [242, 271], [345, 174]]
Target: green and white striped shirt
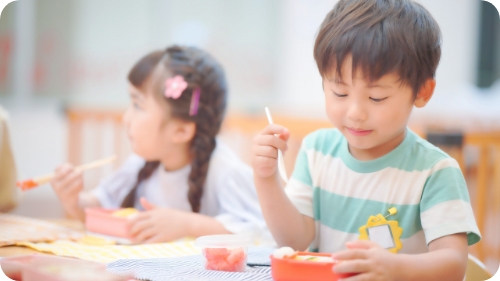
[[341, 193]]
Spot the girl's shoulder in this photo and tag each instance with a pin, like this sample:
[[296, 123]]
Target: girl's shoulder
[[225, 164], [225, 156], [133, 164]]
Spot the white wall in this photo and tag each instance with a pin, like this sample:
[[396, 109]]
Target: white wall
[[299, 87]]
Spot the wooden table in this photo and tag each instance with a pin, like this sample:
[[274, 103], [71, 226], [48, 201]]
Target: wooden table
[[11, 251]]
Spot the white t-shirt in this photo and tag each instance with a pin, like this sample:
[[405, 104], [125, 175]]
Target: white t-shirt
[[229, 193]]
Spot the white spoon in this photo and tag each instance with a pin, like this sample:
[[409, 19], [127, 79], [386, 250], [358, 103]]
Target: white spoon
[[281, 162]]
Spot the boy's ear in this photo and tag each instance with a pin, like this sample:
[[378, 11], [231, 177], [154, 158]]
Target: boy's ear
[[184, 131], [425, 93]]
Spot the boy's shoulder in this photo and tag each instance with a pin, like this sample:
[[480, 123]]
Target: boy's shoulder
[[414, 154], [426, 154], [322, 136], [323, 139]]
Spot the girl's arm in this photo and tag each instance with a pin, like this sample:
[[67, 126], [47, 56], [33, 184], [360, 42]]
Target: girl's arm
[[200, 225], [157, 224], [287, 225], [67, 183], [68, 186], [446, 260]]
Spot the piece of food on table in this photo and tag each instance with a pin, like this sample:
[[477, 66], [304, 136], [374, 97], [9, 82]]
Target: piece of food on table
[[225, 252], [225, 259]]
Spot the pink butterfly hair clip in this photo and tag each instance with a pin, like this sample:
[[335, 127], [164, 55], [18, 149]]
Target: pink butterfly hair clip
[[174, 86]]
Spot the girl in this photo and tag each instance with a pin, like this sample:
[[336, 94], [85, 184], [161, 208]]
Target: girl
[[187, 182]]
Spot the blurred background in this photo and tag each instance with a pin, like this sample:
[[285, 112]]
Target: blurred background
[[63, 67]]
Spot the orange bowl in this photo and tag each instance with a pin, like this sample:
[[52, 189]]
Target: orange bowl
[[288, 269]]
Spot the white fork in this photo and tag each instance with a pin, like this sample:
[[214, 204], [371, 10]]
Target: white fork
[[281, 162]]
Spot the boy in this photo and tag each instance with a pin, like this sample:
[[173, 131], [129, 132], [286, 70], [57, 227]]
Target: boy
[[377, 60]]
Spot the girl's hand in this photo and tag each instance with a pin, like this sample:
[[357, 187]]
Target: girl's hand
[[265, 150], [158, 224], [67, 183], [367, 258]]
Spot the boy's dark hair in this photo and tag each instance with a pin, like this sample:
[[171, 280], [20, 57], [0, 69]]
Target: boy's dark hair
[[200, 70], [383, 36]]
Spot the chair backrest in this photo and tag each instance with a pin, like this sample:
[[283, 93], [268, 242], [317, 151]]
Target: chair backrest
[[97, 133], [8, 190], [94, 134], [238, 131], [476, 271]]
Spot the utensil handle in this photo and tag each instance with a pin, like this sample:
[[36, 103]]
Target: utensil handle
[[281, 162], [46, 178]]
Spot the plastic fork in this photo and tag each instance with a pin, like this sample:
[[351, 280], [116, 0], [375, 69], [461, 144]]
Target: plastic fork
[[281, 162]]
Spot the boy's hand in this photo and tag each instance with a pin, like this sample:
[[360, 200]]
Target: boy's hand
[[367, 258], [265, 150], [67, 184], [157, 224]]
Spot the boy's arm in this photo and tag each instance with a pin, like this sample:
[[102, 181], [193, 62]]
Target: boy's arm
[[287, 225], [446, 260]]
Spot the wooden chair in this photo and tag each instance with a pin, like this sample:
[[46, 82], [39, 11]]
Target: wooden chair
[[94, 134], [484, 177], [487, 195], [239, 130], [476, 271]]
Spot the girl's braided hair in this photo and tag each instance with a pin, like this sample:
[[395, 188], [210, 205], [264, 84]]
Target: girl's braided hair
[[199, 70]]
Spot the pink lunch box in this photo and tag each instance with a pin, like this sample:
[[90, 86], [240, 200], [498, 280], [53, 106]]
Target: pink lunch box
[[100, 221]]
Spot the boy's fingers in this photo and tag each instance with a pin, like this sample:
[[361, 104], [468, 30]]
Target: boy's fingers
[[358, 277], [263, 161], [352, 266], [275, 129], [266, 151], [361, 244], [350, 254], [272, 140]]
